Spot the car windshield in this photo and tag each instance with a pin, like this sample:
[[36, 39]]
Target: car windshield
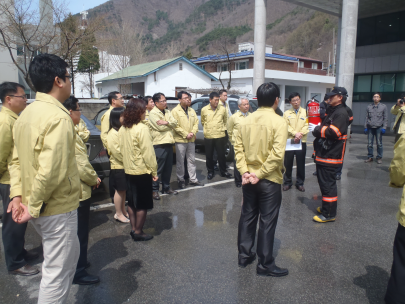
[[89, 124]]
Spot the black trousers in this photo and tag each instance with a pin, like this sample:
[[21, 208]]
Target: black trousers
[[215, 157], [395, 290], [83, 217], [236, 173], [13, 235], [262, 199], [219, 145], [288, 164], [327, 183], [164, 159]]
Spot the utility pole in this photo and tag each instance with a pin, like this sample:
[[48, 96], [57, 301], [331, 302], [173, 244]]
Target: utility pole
[[259, 44]]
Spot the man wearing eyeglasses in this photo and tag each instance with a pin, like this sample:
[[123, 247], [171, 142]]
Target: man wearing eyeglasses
[[44, 178], [162, 124], [115, 100], [14, 101]]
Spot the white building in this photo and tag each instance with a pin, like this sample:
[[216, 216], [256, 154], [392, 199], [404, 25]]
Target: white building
[[291, 73], [166, 76]]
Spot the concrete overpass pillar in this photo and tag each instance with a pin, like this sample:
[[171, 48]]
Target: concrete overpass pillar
[[346, 50], [259, 44]]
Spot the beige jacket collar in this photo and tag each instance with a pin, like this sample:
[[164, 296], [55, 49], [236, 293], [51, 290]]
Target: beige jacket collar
[[9, 112], [49, 99]]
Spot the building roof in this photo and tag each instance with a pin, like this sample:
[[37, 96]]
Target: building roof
[[145, 69], [242, 54], [301, 57]]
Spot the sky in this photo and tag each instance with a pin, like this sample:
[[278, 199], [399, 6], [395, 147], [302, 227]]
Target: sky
[[76, 6]]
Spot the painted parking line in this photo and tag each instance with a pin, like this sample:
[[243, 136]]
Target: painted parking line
[[97, 207]]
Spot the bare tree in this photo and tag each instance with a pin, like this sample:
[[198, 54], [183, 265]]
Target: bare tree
[[226, 58], [26, 31], [172, 50], [123, 46]]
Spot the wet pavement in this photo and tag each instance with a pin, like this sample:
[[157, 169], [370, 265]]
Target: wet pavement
[[193, 256]]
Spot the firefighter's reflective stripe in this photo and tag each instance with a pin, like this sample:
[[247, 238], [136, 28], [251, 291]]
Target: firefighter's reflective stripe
[[323, 131], [331, 160], [329, 199], [336, 130]]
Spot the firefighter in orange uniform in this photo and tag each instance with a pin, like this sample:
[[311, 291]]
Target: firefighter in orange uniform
[[329, 145]]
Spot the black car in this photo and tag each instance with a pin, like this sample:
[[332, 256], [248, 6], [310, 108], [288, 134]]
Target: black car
[[95, 150]]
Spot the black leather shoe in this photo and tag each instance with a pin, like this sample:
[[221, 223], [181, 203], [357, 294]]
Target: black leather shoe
[[170, 191], [85, 279], [156, 195], [216, 168], [87, 265], [315, 173], [286, 187], [196, 184], [182, 185], [301, 188], [140, 237], [238, 185], [338, 177], [243, 263], [210, 176], [29, 256], [26, 270], [276, 272], [226, 174]]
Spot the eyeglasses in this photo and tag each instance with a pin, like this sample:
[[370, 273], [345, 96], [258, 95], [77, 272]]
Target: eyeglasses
[[163, 100], [121, 98], [21, 96]]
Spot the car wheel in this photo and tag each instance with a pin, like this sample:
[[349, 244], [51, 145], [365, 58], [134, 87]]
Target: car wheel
[[229, 153]]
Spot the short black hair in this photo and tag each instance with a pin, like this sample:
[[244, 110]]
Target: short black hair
[[146, 99], [292, 95], [7, 88], [156, 97], [180, 94], [189, 95], [378, 93], [214, 94], [71, 103], [112, 95], [222, 91], [43, 70], [267, 94], [115, 116]]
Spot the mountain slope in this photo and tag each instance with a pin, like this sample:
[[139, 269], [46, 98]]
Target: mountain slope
[[200, 26]]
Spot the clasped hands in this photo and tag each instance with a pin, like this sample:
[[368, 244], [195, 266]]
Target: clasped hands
[[19, 211], [249, 178], [297, 137]]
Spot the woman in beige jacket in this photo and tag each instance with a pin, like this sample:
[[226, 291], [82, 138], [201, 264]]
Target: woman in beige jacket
[[140, 165], [118, 181]]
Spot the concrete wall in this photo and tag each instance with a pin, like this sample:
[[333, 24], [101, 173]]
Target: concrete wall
[[8, 71], [387, 57]]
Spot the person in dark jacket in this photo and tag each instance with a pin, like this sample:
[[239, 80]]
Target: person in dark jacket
[[329, 145], [339, 169], [322, 113]]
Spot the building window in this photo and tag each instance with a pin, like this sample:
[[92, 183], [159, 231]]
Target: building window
[[180, 66], [381, 29], [314, 66], [390, 85], [301, 64], [202, 66], [242, 65], [222, 67], [20, 50]]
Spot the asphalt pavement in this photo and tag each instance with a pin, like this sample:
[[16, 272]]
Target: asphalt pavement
[[193, 256]]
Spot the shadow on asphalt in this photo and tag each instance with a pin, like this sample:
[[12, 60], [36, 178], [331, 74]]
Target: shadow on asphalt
[[117, 285], [374, 282], [156, 223]]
